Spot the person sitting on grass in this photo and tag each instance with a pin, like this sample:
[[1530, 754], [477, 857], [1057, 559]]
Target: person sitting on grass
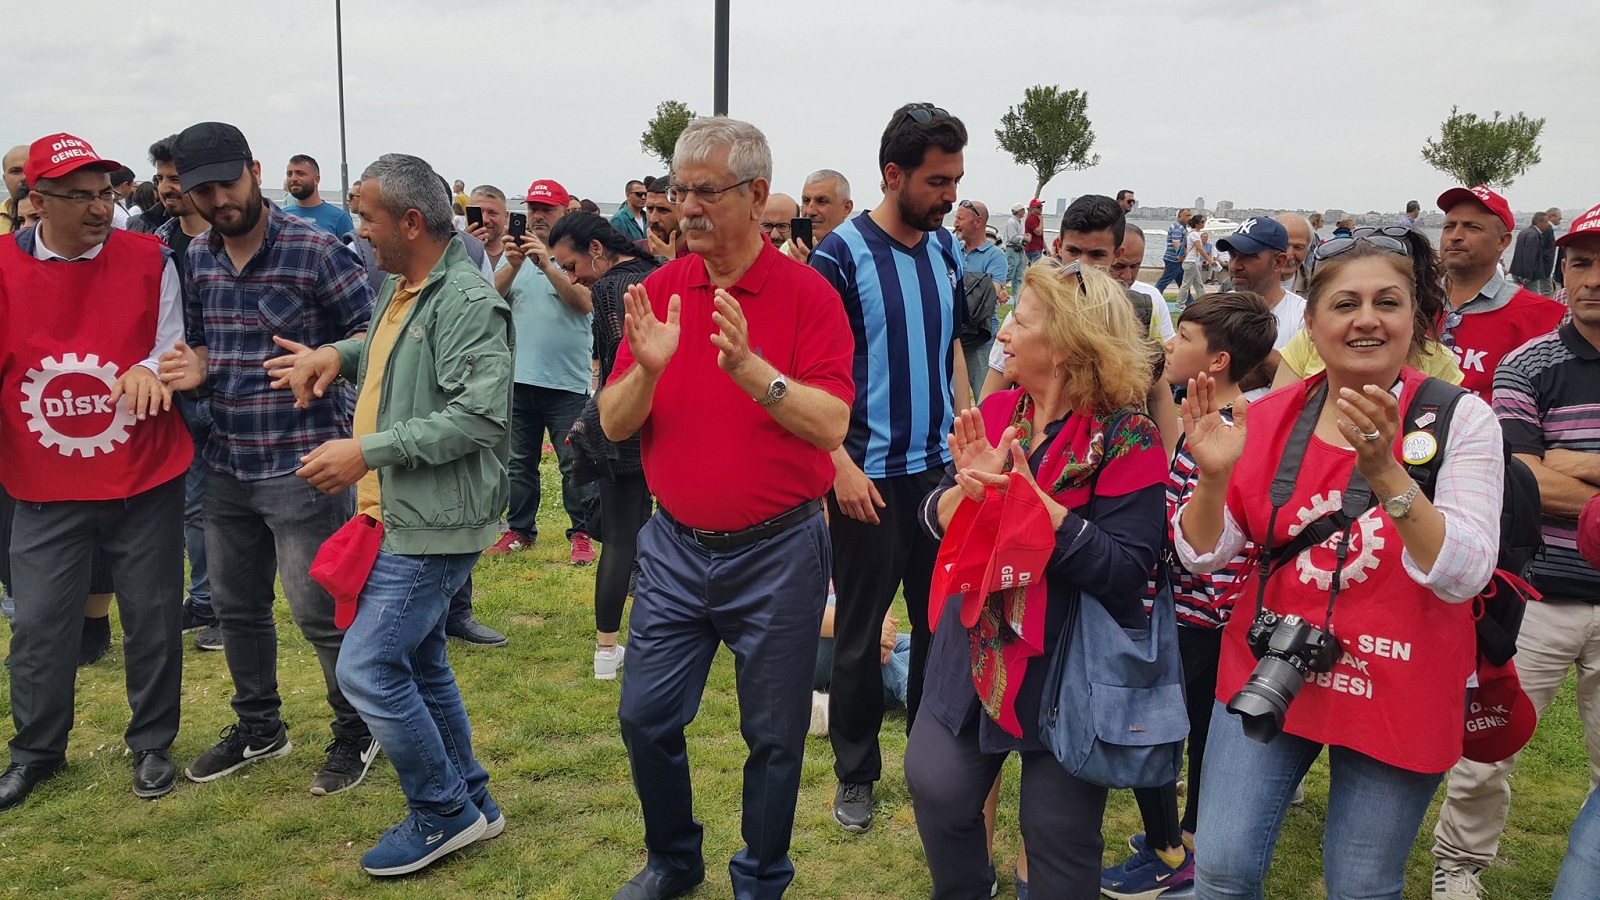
[[1225, 336]]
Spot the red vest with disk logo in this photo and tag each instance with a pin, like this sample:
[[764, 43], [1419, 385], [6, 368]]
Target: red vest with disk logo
[[68, 331]]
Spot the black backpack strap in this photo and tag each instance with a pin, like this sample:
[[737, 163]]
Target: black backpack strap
[[1432, 408], [1357, 496]]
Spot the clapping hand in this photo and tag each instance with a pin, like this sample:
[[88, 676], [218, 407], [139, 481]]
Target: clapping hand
[[652, 341], [1214, 445], [975, 482], [969, 443], [1372, 411]]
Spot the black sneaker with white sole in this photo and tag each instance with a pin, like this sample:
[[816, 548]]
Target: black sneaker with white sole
[[237, 749], [209, 638], [852, 806], [348, 762]]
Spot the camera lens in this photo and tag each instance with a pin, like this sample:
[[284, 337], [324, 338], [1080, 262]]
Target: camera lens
[[1265, 698]]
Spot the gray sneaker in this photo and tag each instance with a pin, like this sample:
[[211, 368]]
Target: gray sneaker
[[1456, 883], [209, 638]]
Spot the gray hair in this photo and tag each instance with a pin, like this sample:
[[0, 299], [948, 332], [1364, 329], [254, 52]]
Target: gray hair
[[749, 157], [407, 182], [487, 190], [831, 175], [1553, 211], [1303, 221]]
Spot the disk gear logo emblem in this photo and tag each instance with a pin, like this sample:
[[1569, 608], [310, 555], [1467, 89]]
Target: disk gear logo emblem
[[1315, 564], [68, 404]]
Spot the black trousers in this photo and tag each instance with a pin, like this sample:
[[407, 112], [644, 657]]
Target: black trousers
[[624, 508], [1060, 815], [1200, 650], [52, 545], [869, 563]]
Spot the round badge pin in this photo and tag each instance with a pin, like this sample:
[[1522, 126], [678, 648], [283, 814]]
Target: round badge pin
[[1418, 448]]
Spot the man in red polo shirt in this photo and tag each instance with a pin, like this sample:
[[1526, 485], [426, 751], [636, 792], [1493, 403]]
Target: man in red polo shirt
[[736, 376], [1033, 228], [1489, 315]]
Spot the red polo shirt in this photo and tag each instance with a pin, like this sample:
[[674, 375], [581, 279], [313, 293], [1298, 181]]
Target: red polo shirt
[[716, 459]]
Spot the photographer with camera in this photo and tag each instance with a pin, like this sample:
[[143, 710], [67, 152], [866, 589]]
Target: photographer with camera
[[1360, 610]]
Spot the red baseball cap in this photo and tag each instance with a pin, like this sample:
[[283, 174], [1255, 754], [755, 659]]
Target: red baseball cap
[[1035, 202], [1582, 225], [1494, 202], [62, 154], [1500, 718], [547, 192]]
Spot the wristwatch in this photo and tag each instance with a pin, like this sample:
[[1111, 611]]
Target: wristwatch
[[1400, 507], [777, 390]]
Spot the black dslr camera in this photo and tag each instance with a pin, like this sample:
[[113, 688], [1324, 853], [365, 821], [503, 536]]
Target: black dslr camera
[[1287, 647]]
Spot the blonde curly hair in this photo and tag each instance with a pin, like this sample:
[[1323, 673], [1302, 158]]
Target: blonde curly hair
[[1092, 324]]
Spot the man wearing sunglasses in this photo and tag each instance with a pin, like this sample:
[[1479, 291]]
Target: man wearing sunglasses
[[95, 458], [1489, 315], [630, 218], [910, 377]]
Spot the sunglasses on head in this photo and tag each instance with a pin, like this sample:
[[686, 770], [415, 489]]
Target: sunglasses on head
[[1393, 238], [923, 114]]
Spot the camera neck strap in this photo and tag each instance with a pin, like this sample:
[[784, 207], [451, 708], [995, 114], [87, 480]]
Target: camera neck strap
[[1357, 500]]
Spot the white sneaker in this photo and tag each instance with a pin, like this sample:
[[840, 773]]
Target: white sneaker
[[607, 662], [819, 713], [1457, 883], [1299, 798]]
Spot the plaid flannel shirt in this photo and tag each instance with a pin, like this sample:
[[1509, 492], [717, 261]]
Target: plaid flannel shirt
[[304, 285]]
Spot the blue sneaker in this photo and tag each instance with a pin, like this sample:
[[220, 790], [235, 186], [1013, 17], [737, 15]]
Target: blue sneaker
[[1020, 884], [421, 839], [1144, 876], [494, 819]]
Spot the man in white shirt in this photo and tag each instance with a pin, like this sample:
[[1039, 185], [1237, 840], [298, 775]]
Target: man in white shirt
[[1257, 252]]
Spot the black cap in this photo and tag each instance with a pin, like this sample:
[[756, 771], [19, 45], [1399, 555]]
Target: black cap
[[209, 151]]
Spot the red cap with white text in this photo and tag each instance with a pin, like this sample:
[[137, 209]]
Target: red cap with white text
[[62, 154], [548, 193], [1588, 223], [1496, 203]]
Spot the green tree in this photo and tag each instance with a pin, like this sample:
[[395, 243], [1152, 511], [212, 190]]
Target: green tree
[[1048, 132], [661, 135], [1484, 151]]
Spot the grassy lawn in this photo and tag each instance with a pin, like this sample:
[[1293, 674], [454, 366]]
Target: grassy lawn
[[547, 733]]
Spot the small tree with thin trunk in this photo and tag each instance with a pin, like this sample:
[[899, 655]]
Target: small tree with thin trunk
[[1048, 132], [661, 135], [1484, 151]]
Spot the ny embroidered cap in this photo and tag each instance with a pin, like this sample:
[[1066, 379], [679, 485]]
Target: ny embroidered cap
[[209, 152], [548, 193], [1256, 234], [1588, 223], [1500, 717], [62, 154], [1481, 194]]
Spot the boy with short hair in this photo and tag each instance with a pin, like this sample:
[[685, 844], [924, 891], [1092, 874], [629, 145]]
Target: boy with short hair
[[1225, 336]]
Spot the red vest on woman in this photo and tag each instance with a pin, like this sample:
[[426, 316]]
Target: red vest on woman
[[68, 330], [1398, 691]]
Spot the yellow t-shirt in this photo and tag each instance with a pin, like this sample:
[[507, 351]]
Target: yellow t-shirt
[[1301, 356], [380, 344], [5, 223]]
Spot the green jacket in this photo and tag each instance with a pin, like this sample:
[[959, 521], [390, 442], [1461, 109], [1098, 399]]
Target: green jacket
[[444, 417]]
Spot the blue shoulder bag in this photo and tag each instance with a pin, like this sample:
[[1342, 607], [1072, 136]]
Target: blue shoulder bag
[[1113, 707]]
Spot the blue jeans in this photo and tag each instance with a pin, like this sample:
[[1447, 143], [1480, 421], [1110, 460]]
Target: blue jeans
[[535, 412], [1171, 273], [765, 601], [1016, 262], [1374, 811], [395, 671], [1580, 871], [197, 413]]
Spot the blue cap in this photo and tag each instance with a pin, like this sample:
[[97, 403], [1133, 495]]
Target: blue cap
[[1255, 235]]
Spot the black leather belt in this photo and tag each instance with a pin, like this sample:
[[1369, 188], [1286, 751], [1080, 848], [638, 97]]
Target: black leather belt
[[729, 540]]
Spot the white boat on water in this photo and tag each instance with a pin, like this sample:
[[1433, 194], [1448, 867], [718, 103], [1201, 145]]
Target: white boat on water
[[1215, 228]]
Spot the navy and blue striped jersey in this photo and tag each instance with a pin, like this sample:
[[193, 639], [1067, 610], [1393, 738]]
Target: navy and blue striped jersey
[[906, 310]]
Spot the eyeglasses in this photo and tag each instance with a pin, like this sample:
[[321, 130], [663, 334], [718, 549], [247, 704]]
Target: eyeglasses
[[923, 113], [1393, 238], [967, 204], [677, 193], [1447, 333], [82, 198], [770, 227], [636, 193]]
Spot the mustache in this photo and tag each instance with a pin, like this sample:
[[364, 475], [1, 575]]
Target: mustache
[[696, 223]]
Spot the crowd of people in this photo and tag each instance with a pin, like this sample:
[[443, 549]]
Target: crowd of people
[[355, 405]]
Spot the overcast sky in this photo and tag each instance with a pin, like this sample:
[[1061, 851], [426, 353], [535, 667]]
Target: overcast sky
[[1279, 103]]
